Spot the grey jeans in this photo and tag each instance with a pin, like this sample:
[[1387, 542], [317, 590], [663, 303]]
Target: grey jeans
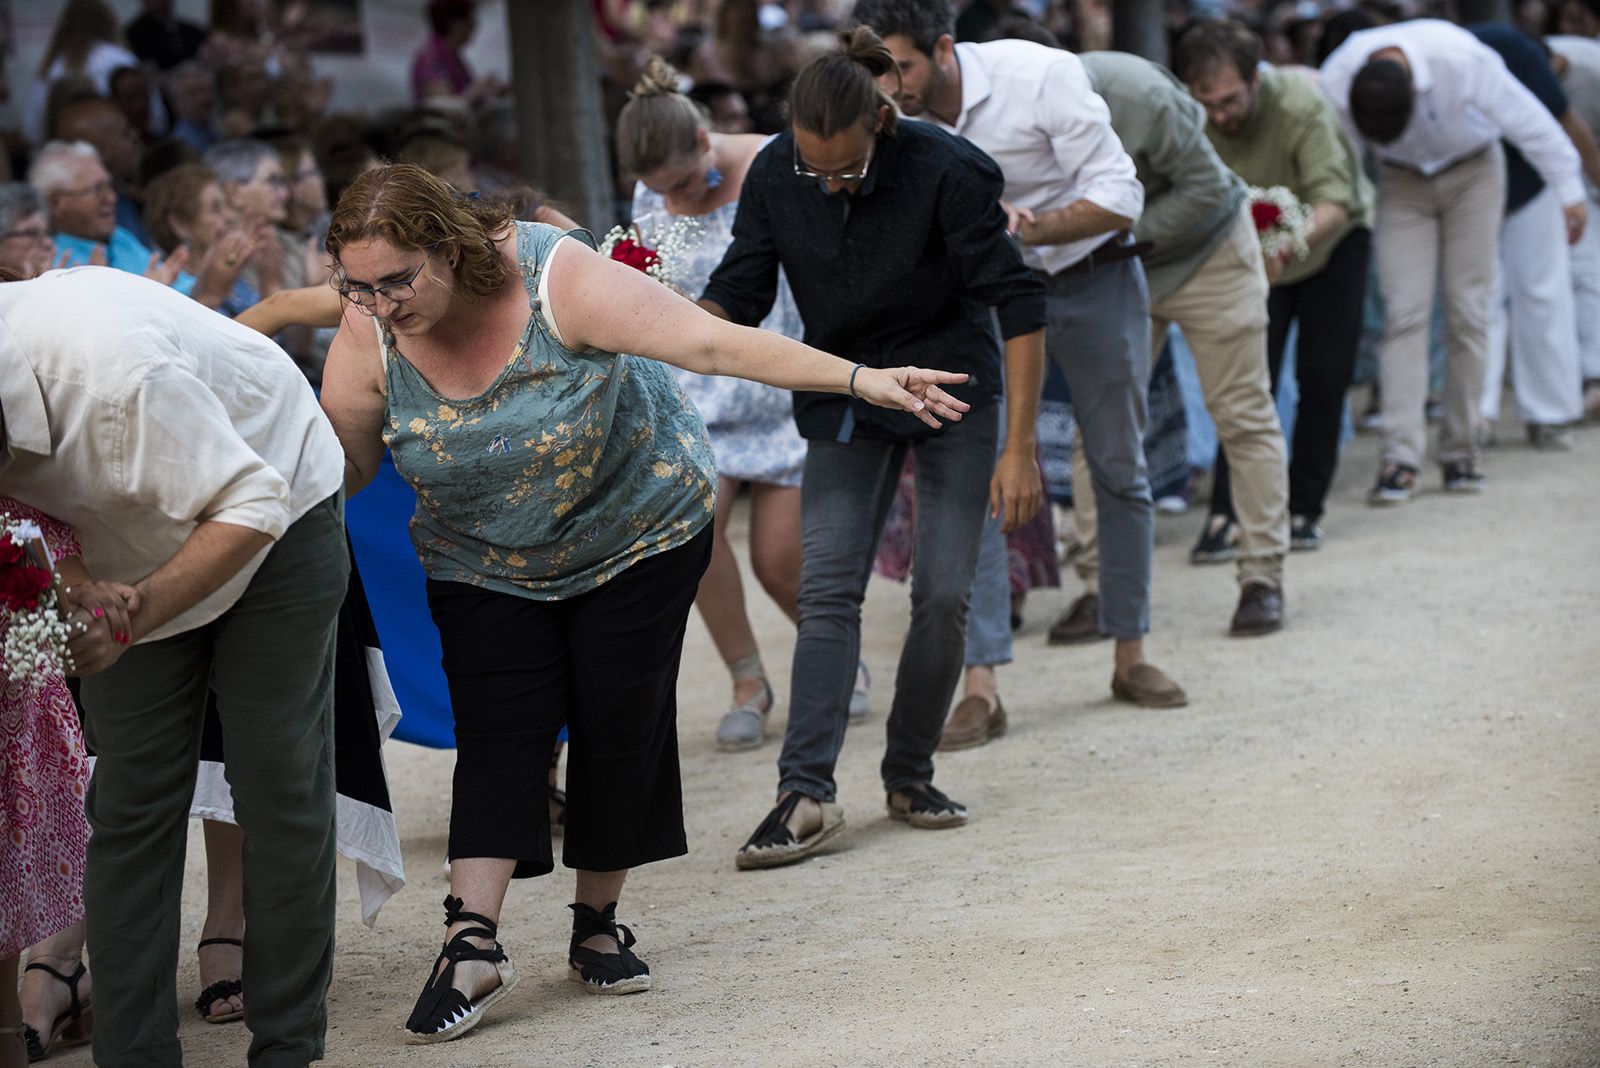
[[1099, 335], [270, 660], [844, 502]]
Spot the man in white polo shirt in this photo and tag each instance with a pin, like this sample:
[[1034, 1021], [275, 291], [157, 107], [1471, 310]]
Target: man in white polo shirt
[[1073, 196], [195, 465], [1434, 103], [1577, 65]]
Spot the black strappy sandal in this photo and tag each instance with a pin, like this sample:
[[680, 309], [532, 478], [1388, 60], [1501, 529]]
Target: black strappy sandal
[[604, 973], [442, 1012], [71, 1026], [221, 990]]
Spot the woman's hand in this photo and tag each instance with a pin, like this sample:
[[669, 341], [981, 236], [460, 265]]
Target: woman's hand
[[101, 614], [1017, 489], [912, 389]]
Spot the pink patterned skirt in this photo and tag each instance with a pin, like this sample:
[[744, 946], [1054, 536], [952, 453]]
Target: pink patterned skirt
[[44, 772]]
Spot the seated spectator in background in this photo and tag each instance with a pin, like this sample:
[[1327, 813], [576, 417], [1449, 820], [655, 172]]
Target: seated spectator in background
[[238, 32], [67, 90], [246, 91], [83, 43], [103, 125], [300, 236], [257, 191], [81, 203], [157, 36], [439, 70], [161, 157], [26, 249], [441, 157], [729, 114], [130, 92], [299, 98], [742, 54], [1577, 18], [194, 105], [186, 209]]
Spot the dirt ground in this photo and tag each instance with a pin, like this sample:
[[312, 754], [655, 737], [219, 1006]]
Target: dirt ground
[[1369, 840]]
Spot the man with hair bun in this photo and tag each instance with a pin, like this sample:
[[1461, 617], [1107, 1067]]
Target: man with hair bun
[[893, 240]]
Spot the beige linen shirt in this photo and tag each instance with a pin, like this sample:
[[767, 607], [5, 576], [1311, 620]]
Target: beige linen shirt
[[133, 413]]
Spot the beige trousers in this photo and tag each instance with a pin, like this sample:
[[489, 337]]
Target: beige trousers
[[1443, 228], [1222, 310]]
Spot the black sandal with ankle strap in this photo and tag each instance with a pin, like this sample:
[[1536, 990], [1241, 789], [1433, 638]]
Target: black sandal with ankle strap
[[221, 990], [605, 973], [443, 1012], [69, 1027]]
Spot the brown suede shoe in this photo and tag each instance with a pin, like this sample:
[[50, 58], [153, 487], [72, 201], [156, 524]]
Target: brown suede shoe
[[1147, 686], [1260, 611], [1080, 623], [973, 723]]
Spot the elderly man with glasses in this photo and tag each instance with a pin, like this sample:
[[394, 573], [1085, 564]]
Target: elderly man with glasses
[[81, 202]]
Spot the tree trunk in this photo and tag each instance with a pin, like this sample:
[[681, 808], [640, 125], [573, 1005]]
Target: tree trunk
[[1140, 27], [556, 85]]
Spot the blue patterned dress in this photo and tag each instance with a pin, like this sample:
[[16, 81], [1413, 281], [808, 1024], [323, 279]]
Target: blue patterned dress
[[752, 429]]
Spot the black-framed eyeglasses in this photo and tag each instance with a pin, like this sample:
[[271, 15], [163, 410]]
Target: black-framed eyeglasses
[[803, 171], [366, 297]]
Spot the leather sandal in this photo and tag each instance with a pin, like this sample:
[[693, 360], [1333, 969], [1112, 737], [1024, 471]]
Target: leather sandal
[[773, 844], [604, 973], [72, 1026], [442, 1012], [221, 990]]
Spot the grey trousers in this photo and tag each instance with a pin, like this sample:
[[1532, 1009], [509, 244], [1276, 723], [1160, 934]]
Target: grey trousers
[[1099, 335], [270, 660], [844, 503]]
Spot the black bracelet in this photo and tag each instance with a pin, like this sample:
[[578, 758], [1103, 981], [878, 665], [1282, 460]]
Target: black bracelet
[[853, 374]]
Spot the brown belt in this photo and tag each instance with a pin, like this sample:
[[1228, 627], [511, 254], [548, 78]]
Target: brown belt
[[1116, 248], [1447, 168]]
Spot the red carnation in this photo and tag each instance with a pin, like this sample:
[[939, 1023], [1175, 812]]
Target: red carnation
[[638, 256], [22, 586], [10, 551], [1266, 215]]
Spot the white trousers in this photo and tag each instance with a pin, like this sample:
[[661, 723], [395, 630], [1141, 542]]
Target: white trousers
[[1532, 306], [1585, 257]]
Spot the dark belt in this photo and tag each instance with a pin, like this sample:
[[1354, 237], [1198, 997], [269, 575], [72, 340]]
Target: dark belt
[[1116, 248]]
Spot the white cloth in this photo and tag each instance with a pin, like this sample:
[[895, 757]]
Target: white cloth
[[1032, 109], [1581, 83], [1466, 100], [1585, 257], [133, 414], [1532, 308]]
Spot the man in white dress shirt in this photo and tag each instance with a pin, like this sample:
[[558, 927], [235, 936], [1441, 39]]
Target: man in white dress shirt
[[1073, 196], [1433, 104], [195, 465]]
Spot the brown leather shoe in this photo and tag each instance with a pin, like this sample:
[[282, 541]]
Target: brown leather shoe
[[973, 723], [1147, 686], [1260, 611], [1079, 623]]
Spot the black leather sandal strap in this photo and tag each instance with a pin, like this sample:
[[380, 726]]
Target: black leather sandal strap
[[204, 942], [69, 981]]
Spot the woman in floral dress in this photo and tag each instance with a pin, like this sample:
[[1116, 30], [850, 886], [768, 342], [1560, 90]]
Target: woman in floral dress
[[684, 205], [44, 772]]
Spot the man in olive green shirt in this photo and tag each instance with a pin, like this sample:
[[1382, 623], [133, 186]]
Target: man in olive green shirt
[[1206, 276], [1275, 128]]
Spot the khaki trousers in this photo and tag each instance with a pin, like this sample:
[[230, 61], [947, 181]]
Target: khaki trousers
[[1222, 310], [1447, 228]]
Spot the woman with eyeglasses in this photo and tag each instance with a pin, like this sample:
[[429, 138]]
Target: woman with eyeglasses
[[564, 500], [894, 242], [26, 248]]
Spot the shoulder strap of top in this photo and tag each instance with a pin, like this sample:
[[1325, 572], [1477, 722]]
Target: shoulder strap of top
[[535, 243]]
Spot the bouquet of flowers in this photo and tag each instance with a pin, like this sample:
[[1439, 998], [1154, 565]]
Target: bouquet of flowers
[[1282, 222], [664, 262], [30, 601]]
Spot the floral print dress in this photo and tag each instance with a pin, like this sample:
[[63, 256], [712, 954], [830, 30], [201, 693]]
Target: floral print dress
[[44, 773]]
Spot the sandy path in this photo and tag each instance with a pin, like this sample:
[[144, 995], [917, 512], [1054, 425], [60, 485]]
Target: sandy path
[[1371, 839]]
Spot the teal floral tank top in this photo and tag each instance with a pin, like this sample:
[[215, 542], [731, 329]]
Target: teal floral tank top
[[571, 467]]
